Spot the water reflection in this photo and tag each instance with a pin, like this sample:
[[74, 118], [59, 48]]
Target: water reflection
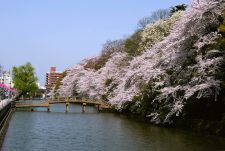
[[60, 131]]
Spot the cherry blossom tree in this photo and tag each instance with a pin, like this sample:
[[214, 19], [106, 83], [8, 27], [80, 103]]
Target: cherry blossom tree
[[177, 62]]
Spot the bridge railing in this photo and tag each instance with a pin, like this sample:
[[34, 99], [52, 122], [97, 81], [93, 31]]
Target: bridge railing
[[73, 98]]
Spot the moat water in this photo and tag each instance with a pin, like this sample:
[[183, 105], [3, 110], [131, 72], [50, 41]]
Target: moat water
[[93, 131]]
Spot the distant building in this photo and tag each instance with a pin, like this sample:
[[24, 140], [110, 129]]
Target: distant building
[[1, 69], [6, 79], [51, 78]]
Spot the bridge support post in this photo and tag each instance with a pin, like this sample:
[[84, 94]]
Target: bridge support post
[[48, 109], [83, 107], [67, 104], [67, 107]]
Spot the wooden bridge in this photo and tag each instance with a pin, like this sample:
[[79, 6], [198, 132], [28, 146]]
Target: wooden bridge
[[100, 105]]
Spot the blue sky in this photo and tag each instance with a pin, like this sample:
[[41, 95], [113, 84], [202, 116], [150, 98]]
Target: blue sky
[[63, 32]]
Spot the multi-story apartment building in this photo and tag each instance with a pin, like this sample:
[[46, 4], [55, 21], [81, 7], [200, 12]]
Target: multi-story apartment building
[[51, 78]]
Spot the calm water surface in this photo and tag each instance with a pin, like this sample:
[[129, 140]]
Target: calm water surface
[[92, 131]]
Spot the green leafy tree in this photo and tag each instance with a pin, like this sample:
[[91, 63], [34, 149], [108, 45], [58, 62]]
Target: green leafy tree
[[58, 82], [132, 44], [24, 79]]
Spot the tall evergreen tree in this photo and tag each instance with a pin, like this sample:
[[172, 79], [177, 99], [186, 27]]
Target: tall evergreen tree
[[177, 8]]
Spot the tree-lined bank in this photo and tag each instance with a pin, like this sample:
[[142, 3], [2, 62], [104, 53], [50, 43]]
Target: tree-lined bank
[[169, 71]]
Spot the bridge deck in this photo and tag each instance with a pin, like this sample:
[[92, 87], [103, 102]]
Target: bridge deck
[[100, 104], [78, 102]]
